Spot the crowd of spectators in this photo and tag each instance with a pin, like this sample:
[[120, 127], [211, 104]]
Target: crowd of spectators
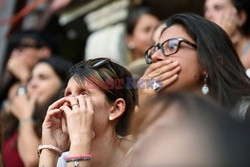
[[182, 98]]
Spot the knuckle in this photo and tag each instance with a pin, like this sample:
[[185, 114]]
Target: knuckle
[[50, 107]]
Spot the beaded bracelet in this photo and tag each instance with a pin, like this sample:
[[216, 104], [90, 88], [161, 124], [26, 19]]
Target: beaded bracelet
[[75, 159], [26, 120], [51, 147]]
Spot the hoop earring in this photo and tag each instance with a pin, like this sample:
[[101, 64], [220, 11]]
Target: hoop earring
[[205, 88]]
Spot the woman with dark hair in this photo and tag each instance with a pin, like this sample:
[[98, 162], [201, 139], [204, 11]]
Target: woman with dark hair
[[93, 117], [22, 127], [234, 17], [140, 25], [184, 129], [195, 54]]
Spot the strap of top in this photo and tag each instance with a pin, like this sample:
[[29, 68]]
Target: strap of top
[[240, 109], [245, 102], [246, 47]]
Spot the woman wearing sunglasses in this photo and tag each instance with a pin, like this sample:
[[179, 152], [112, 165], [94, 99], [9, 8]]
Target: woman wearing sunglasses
[[91, 119], [196, 55]]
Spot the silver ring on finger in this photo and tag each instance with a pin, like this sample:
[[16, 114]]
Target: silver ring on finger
[[156, 86]]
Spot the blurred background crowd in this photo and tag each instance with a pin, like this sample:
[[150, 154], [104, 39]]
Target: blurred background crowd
[[81, 27], [42, 39]]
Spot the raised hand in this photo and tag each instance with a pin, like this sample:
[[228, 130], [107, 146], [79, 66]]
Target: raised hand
[[79, 115], [54, 130], [22, 106], [17, 66], [165, 71]]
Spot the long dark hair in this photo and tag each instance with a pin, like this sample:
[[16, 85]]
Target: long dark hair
[[40, 111], [227, 79]]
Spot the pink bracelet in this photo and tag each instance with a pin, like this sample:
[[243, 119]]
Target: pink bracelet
[[75, 159], [51, 147], [68, 158]]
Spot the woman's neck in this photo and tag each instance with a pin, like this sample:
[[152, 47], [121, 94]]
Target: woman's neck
[[239, 40], [107, 151], [136, 55]]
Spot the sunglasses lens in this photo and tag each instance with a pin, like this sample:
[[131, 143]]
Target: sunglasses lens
[[98, 63]]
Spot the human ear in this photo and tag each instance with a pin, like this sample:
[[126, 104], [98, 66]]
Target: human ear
[[117, 110], [130, 42], [242, 18]]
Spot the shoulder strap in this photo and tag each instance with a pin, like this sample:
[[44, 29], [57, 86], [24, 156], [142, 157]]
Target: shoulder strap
[[245, 102], [246, 47]]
